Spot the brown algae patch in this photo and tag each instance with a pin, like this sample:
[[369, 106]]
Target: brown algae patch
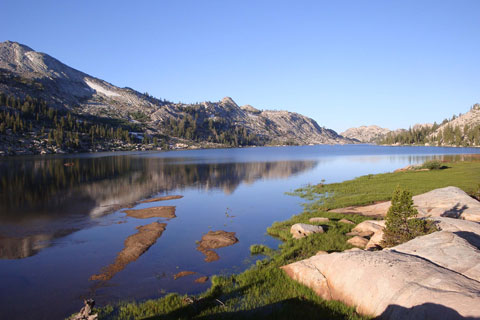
[[135, 246], [155, 212], [182, 274], [201, 279], [214, 240], [162, 199]]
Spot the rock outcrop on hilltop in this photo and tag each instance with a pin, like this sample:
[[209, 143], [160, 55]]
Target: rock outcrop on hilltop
[[366, 134], [25, 72], [436, 276]]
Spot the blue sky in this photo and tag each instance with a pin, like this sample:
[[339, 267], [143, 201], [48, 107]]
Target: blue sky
[[343, 63]]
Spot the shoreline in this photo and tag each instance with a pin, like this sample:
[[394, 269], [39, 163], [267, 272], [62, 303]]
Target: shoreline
[[265, 286], [134, 152]]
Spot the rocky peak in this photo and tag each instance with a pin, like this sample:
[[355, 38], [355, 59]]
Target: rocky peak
[[24, 61], [14, 46], [366, 134], [228, 101]]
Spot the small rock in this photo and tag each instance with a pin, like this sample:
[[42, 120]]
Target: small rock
[[154, 212], [407, 168], [319, 220], [300, 230], [182, 274], [375, 241], [321, 252], [214, 240], [358, 242], [201, 280], [372, 226], [346, 221], [362, 234], [372, 229]]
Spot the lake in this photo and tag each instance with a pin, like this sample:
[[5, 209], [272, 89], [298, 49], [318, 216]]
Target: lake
[[62, 218]]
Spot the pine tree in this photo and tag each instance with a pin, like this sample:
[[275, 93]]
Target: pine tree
[[401, 223]]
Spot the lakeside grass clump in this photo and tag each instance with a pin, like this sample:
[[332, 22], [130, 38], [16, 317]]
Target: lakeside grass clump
[[264, 291], [433, 165], [256, 249]]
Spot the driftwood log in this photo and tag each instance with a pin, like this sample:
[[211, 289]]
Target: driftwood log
[[86, 312]]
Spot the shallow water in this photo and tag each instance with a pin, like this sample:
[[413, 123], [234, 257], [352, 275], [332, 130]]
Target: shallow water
[[59, 225]]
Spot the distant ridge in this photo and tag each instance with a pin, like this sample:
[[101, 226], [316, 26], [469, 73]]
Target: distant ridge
[[458, 131], [25, 72], [366, 134]]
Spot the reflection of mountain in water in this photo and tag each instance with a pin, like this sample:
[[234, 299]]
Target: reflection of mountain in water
[[42, 199]]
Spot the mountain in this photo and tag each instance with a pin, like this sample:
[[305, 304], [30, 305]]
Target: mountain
[[462, 130], [32, 83], [366, 134]]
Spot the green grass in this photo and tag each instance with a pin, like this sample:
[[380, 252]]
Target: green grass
[[371, 188], [264, 291], [260, 249]]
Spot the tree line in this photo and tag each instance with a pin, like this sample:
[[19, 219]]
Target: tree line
[[60, 128], [34, 118], [466, 135], [197, 126]]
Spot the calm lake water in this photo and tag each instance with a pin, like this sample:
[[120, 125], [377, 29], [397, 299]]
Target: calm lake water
[[59, 225]]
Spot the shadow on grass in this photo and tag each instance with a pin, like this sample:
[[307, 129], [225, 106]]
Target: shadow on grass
[[294, 308], [190, 311]]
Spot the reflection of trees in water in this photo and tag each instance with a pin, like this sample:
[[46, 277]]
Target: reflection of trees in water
[[48, 187], [42, 199], [38, 184]]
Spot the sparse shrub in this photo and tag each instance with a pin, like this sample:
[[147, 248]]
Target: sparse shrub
[[432, 165], [260, 249], [401, 223]]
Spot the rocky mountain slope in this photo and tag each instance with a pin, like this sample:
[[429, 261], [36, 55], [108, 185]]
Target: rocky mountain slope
[[465, 127], [462, 130], [366, 134], [27, 73]]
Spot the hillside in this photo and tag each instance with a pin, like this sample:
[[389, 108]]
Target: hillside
[[462, 130], [366, 134], [38, 91]]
